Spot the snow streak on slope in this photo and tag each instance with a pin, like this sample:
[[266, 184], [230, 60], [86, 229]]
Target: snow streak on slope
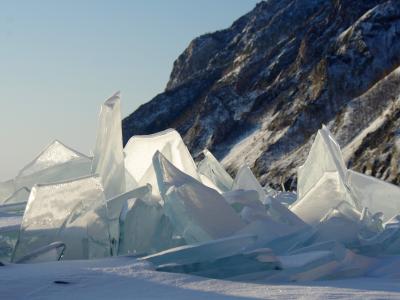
[[350, 148]]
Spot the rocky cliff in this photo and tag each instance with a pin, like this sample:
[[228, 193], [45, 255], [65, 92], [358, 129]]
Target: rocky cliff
[[258, 91]]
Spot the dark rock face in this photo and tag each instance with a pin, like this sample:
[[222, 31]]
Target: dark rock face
[[258, 91]]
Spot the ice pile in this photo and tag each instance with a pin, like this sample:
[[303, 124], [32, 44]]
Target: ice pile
[[151, 200]]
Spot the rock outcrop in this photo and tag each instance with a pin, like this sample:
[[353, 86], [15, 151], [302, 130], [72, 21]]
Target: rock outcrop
[[258, 91]]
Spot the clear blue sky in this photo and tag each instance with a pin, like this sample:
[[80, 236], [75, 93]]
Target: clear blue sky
[[60, 59]]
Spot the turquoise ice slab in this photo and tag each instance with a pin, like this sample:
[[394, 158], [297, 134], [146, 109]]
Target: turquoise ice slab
[[202, 252], [260, 260], [108, 160], [212, 169], [51, 252], [72, 212]]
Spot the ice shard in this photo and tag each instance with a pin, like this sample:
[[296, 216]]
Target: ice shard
[[73, 212], [282, 214], [15, 209], [343, 263], [203, 252], [165, 236], [9, 229], [267, 230], [247, 204], [323, 180], [54, 154], [324, 183], [238, 199], [168, 175], [352, 265], [130, 183], [52, 252], [335, 246], [139, 220], [279, 230], [246, 180], [320, 261], [212, 169], [385, 242], [19, 196], [289, 242], [108, 160], [7, 188], [376, 195], [341, 224], [114, 210], [134, 220], [143, 228], [324, 157], [326, 194], [56, 162], [311, 265], [208, 182], [10, 223], [286, 198], [139, 152], [198, 212], [231, 267]]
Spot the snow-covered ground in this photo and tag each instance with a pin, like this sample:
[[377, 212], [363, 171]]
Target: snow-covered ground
[[127, 278]]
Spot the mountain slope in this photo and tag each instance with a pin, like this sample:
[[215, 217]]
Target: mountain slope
[[258, 91]]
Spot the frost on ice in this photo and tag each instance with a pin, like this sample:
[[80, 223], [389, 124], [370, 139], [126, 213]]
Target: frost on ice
[[72, 212], [57, 162], [152, 201]]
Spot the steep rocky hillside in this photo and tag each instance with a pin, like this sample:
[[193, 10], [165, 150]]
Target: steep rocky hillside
[[258, 91]]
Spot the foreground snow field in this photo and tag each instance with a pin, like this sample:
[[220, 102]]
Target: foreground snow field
[[126, 278]]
